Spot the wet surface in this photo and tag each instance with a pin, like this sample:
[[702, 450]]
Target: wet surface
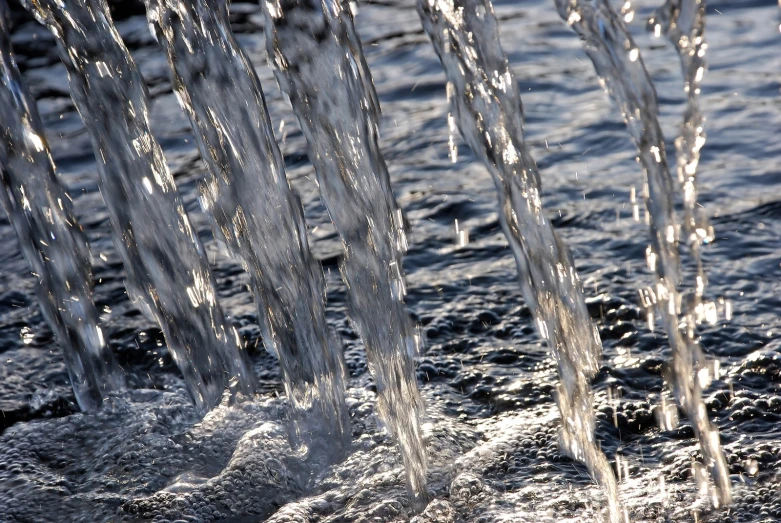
[[487, 380]]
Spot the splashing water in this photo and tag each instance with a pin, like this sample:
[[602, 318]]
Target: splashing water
[[168, 274], [487, 106], [256, 213], [621, 70], [315, 50], [52, 240]]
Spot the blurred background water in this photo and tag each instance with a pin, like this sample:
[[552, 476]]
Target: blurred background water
[[487, 380]]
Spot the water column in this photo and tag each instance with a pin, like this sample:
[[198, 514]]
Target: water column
[[620, 67], [257, 214], [167, 271], [51, 239], [487, 108], [683, 22], [319, 63]]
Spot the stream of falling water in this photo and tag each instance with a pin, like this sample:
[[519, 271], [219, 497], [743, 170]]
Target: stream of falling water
[[315, 50], [167, 271], [257, 214], [487, 108], [683, 22], [621, 70], [52, 241]]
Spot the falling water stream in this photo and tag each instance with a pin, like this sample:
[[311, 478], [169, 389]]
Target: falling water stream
[[167, 270], [257, 214], [683, 22], [315, 50], [52, 240], [487, 108], [620, 67]]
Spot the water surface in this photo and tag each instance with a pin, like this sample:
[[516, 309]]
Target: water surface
[[491, 423]]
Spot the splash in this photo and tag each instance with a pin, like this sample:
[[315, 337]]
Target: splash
[[256, 214], [486, 105], [167, 271], [52, 240], [620, 67], [315, 50]]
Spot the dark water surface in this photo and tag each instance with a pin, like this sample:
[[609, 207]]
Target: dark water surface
[[487, 380]]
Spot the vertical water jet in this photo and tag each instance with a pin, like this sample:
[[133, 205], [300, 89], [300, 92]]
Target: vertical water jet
[[683, 22], [52, 241], [320, 65], [257, 214], [487, 108], [620, 68], [167, 271]]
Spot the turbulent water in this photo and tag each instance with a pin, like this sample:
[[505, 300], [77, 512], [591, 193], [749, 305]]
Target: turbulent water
[[50, 236], [488, 110], [491, 422], [257, 215], [168, 273]]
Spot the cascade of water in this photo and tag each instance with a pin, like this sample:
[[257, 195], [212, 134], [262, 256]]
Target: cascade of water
[[168, 273], [487, 106], [257, 214], [683, 22], [52, 241], [621, 70], [315, 50]]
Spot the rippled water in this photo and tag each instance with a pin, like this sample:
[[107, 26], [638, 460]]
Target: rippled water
[[491, 422]]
